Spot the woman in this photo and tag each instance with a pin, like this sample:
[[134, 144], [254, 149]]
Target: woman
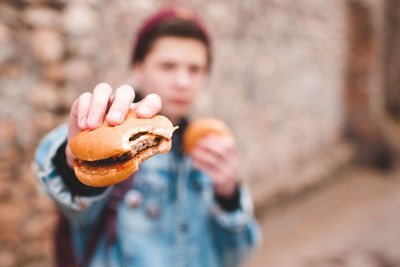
[[181, 210]]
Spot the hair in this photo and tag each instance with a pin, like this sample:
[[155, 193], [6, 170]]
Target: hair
[[175, 26]]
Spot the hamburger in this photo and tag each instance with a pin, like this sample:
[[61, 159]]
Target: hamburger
[[202, 127], [110, 154]]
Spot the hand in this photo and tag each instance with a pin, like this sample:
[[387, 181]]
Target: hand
[[217, 156], [90, 109]]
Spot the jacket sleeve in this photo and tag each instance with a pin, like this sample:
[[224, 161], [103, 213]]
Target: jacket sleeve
[[236, 232], [82, 211]]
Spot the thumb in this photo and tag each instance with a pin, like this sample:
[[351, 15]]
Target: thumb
[[148, 107]]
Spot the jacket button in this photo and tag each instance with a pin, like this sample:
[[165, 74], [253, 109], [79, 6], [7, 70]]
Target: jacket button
[[184, 227], [133, 199], [153, 210]]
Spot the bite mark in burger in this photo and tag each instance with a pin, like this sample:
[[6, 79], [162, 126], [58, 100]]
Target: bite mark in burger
[[110, 154]]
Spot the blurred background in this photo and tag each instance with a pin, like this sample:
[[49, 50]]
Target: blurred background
[[310, 88]]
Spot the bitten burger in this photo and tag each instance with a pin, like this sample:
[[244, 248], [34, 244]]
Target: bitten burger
[[110, 154]]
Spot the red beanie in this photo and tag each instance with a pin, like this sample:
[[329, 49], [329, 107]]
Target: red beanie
[[164, 14]]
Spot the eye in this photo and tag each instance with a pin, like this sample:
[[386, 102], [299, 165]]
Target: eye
[[167, 66], [194, 69]]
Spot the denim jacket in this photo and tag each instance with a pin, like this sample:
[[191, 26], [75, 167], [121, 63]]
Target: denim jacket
[[168, 218]]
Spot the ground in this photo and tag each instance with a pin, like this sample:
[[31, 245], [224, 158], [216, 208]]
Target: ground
[[352, 220]]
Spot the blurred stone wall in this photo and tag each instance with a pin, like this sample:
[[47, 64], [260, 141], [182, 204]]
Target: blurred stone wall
[[277, 81], [279, 69], [367, 123], [392, 56]]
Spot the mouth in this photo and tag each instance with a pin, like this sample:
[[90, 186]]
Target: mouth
[[179, 102]]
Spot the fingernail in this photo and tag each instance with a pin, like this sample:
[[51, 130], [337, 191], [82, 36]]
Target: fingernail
[[94, 119], [143, 110], [116, 116]]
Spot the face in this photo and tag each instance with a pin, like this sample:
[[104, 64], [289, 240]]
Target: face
[[175, 69]]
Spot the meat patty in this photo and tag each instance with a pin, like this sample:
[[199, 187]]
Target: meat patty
[[138, 143]]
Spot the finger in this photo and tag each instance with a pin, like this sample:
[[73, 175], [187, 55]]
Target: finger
[[149, 106], [220, 176], [207, 158], [225, 187], [84, 101], [133, 106], [120, 106], [100, 98], [224, 141], [111, 100], [73, 114], [220, 147], [73, 127], [204, 166]]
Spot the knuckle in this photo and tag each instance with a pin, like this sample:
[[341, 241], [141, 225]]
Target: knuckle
[[154, 97], [227, 149], [100, 100], [133, 106], [76, 102], [102, 88], [98, 104], [125, 89], [123, 95], [85, 95]]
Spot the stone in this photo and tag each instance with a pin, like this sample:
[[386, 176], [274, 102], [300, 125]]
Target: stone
[[4, 189], [79, 20], [47, 45], [9, 224], [9, 157], [7, 258], [27, 176], [78, 70], [43, 260], [7, 50], [44, 95], [44, 120], [5, 34], [34, 229], [68, 96], [36, 2], [34, 250], [84, 47], [8, 130], [55, 73], [41, 17], [9, 15], [12, 70]]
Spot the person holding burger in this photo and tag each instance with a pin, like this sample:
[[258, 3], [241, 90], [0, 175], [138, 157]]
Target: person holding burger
[[182, 208]]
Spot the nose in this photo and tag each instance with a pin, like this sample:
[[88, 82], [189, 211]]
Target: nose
[[182, 78]]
